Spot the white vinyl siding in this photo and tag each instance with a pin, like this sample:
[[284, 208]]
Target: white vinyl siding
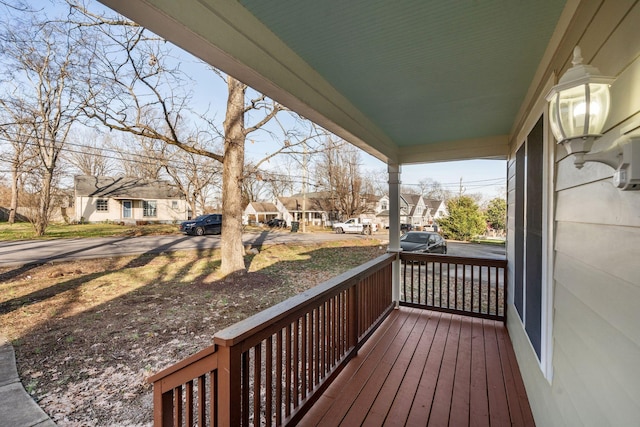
[[596, 248]]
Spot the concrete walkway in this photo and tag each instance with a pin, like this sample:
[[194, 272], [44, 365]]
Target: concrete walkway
[[17, 408]]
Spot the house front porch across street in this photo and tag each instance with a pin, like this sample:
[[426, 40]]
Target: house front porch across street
[[343, 353]]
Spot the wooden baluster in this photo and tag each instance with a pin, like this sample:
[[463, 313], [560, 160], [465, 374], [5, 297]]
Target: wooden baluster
[[214, 388], [473, 287], [317, 337], [177, 406], [455, 275], [257, 383], [202, 394], [303, 357], [310, 352], [323, 340], [296, 363], [480, 292], [245, 388], [189, 404], [464, 287], [268, 381], [404, 279], [230, 381], [162, 407], [287, 372], [279, 378]]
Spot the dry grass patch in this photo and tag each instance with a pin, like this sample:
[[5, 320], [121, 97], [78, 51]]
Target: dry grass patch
[[88, 333]]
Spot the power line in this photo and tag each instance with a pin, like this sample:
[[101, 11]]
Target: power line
[[153, 161]]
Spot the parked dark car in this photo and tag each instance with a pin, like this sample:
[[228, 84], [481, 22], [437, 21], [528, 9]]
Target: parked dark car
[[277, 223], [204, 224], [406, 227], [423, 241]]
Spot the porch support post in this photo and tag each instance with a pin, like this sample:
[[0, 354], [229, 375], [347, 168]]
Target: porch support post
[[395, 171], [229, 384]]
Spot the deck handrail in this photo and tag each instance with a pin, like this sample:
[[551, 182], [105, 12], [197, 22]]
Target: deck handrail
[[252, 326], [270, 368], [469, 286]]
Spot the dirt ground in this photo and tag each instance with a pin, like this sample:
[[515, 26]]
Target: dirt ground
[[88, 334]]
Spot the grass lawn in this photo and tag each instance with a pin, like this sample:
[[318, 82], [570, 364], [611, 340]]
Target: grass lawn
[[490, 241], [24, 230], [88, 333]]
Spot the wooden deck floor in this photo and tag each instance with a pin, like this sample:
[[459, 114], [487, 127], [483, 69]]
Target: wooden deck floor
[[427, 368]]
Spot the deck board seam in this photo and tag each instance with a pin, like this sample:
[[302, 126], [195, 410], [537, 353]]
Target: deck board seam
[[394, 347], [400, 321]]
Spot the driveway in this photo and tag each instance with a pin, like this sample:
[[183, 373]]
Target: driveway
[[18, 253]]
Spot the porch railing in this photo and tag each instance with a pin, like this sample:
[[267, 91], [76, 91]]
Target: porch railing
[[270, 368], [469, 286]]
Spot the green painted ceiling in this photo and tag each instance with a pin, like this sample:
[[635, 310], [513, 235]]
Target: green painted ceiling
[[423, 71]]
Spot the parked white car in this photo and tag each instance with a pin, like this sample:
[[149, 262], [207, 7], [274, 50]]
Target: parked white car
[[355, 225]]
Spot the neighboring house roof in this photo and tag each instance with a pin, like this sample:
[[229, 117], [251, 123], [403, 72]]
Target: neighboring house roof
[[412, 199], [295, 203], [371, 198], [324, 198], [315, 195], [262, 207], [433, 204], [124, 188]]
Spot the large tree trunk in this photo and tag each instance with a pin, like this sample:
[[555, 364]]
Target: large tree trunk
[[41, 221], [232, 177], [192, 205]]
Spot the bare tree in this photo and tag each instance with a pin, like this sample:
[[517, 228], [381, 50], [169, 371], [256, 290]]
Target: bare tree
[[255, 185], [195, 176], [338, 172], [143, 158], [42, 67], [16, 132], [137, 90], [432, 189], [283, 178], [88, 154]]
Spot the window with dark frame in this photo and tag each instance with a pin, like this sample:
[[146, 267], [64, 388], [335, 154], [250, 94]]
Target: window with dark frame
[[528, 235], [102, 205]]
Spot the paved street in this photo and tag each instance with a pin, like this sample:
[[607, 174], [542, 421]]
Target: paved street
[[17, 253], [476, 250]]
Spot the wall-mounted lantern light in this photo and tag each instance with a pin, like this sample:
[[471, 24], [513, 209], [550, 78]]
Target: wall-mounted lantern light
[[578, 109]]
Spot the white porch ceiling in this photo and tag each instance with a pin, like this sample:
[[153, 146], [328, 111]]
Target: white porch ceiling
[[406, 80]]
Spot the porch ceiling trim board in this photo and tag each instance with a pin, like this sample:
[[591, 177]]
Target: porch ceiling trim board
[[494, 147], [225, 34]]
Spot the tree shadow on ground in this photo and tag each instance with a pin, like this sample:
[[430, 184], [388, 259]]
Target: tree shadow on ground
[[88, 342]]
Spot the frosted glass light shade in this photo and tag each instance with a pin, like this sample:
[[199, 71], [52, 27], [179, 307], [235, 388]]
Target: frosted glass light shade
[[579, 111], [579, 105]]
